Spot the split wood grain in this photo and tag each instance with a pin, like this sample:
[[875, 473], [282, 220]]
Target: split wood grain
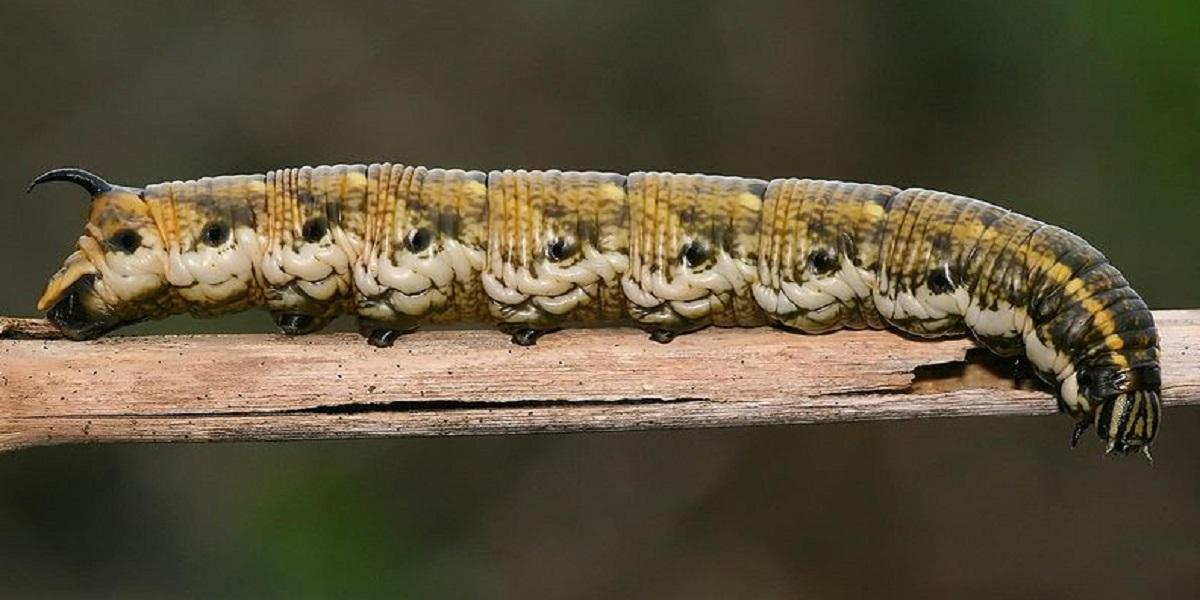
[[270, 387]]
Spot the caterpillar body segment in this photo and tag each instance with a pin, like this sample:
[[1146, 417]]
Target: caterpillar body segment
[[557, 248], [423, 240], [534, 251], [693, 246], [821, 249]]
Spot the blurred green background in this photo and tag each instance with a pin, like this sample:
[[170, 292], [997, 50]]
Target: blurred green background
[[1085, 114]]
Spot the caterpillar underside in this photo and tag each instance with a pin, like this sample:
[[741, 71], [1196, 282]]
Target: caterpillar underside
[[539, 250]]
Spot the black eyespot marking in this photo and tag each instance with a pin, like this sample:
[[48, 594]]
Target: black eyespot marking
[[694, 254], [125, 240], [314, 229], [214, 233], [559, 249], [419, 239], [939, 282], [822, 262]]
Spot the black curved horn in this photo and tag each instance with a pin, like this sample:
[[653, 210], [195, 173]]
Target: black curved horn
[[88, 181]]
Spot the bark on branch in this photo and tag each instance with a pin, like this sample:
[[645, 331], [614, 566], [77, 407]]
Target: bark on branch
[[266, 387]]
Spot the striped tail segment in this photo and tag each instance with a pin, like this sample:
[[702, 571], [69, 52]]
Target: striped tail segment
[[1106, 338], [1019, 286]]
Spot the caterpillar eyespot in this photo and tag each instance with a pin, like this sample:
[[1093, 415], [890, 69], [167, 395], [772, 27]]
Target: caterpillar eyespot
[[535, 251], [823, 263], [125, 240], [214, 234], [939, 281], [314, 229], [560, 249], [419, 240], [694, 254]]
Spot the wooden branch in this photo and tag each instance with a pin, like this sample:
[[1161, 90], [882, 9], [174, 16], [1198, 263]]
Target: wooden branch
[[18, 328], [266, 387]]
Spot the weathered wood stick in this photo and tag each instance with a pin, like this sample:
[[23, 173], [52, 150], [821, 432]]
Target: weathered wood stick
[[267, 387], [21, 328]]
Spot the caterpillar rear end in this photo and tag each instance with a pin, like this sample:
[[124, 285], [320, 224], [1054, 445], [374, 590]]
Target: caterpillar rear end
[[535, 251]]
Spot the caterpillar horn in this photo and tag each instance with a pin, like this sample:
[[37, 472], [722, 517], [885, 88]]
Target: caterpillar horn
[[91, 182]]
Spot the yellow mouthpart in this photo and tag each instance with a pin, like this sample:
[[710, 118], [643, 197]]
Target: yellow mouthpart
[[76, 266]]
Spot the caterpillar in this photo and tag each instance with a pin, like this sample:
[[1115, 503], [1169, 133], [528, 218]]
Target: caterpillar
[[535, 251]]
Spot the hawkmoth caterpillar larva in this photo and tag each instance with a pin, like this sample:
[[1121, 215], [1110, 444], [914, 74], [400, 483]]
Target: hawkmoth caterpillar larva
[[535, 251]]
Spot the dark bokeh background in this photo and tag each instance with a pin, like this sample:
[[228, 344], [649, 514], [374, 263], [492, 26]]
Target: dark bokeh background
[[1085, 114]]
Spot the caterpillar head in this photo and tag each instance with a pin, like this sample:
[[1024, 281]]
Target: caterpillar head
[[117, 273], [1128, 405]]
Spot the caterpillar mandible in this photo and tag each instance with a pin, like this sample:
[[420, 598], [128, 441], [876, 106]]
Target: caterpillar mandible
[[534, 251]]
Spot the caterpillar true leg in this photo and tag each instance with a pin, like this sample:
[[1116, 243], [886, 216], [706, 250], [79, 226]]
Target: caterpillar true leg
[[534, 251]]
